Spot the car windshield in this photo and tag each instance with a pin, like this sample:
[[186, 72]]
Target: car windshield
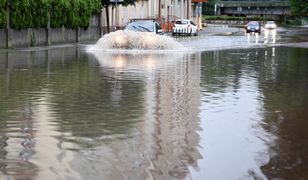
[[141, 26], [181, 22], [270, 22], [254, 24], [191, 22]]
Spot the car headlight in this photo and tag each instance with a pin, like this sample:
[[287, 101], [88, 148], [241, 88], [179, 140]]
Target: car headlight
[[257, 28], [248, 27]]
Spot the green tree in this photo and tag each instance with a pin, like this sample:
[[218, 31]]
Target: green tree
[[35, 13], [73, 13], [299, 7], [208, 7], [106, 4], [3, 4]]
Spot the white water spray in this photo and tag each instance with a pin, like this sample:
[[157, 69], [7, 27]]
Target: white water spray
[[129, 40]]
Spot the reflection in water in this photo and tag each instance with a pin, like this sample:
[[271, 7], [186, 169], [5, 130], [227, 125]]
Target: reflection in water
[[130, 116], [66, 114], [230, 117], [269, 139], [255, 37], [270, 36], [285, 92], [169, 138], [30, 148]]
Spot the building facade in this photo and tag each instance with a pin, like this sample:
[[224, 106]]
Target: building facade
[[164, 10], [275, 9]]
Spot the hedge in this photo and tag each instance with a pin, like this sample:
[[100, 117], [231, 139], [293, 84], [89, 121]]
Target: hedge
[[35, 13], [3, 5], [236, 18]]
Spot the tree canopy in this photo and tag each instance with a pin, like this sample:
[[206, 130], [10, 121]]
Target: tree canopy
[[299, 7], [35, 13], [208, 7]]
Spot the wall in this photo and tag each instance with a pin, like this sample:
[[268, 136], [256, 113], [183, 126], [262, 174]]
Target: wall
[[3, 38]]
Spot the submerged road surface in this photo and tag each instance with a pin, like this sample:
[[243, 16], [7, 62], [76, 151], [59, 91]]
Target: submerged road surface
[[231, 107]]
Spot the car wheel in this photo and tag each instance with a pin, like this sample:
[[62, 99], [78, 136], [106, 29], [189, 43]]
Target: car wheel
[[196, 34]]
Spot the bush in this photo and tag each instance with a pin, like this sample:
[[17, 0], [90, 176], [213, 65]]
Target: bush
[[73, 13], [28, 13], [68, 13], [235, 18], [3, 5]]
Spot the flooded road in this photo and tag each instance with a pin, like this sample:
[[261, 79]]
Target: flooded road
[[66, 113]]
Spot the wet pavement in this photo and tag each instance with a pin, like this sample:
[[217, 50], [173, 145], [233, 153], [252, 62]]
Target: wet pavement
[[231, 106]]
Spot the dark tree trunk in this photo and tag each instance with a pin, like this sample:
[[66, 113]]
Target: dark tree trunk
[[107, 19]]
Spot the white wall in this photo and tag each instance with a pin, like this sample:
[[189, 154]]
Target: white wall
[[144, 9]]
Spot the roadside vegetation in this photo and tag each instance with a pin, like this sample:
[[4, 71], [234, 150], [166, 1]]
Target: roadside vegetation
[[36, 13], [235, 18], [3, 13], [299, 7]]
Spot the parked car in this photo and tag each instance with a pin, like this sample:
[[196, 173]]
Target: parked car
[[144, 25], [270, 25], [253, 26], [184, 27]]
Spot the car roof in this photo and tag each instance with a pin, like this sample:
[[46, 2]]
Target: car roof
[[142, 19], [182, 20], [253, 22]]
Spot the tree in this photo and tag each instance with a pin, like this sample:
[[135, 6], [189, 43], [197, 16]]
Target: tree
[[208, 7], [299, 7], [107, 3]]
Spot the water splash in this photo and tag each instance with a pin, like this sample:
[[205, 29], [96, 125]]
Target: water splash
[[129, 40]]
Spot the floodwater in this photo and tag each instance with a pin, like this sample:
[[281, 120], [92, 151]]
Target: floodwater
[[66, 113]]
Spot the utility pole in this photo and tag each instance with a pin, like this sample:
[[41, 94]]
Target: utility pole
[[159, 9], [188, 7]]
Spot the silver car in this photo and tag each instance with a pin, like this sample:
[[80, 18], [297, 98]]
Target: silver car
[[144, 25]]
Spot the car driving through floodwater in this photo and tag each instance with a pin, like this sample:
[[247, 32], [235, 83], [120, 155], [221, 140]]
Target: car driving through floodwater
[[139, 34]]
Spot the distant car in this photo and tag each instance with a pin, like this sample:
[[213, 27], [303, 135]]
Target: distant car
[[184, 27], [270, 25], [253, 26], [144, 25]]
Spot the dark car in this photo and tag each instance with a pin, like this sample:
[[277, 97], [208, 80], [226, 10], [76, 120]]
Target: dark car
[[253, 26], [144, 25]]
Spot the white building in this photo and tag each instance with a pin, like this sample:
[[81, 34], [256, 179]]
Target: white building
[[164, 10]]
